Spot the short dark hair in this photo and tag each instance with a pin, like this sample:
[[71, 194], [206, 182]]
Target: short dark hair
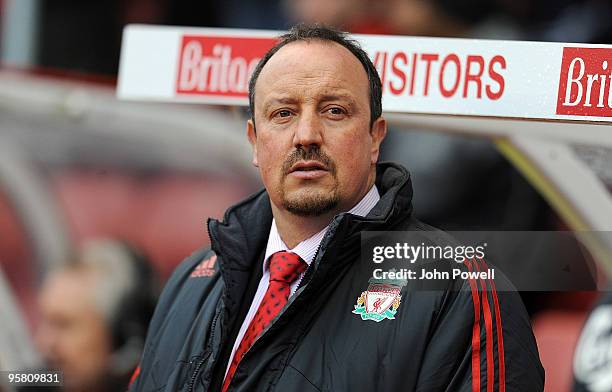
[[306, 32]]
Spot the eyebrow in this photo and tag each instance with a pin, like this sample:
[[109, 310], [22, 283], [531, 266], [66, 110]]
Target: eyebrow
[[323, 98], [337, 97], [275, 100]]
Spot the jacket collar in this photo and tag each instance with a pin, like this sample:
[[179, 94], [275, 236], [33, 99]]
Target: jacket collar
[[241, 237]]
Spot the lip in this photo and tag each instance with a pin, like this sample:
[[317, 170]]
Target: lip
[[312, 165], [315, 170]]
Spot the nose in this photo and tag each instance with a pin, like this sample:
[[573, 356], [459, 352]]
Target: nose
[[309, 131]]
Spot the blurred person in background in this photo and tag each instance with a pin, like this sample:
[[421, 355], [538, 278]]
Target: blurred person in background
[[95, 312], [357, 16], [440, 18]]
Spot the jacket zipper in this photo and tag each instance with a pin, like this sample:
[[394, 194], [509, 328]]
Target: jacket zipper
[[283, 311], [198, 367], [299, 286], [330, 232], [296, 290]]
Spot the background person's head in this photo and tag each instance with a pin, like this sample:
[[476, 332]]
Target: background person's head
[[94, 315], [395, 17], [316, 123]]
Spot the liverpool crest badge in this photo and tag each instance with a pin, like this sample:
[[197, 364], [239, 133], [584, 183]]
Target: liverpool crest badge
[[380, 301]]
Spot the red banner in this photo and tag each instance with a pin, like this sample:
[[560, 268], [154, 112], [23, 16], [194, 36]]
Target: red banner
[[218, 66], [585, 88]]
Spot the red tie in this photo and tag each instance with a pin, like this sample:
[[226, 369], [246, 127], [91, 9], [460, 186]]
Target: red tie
[[285, 268]]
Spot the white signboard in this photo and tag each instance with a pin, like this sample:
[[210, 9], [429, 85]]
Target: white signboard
[[527, 80]]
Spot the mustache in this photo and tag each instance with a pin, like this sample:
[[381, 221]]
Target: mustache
[[309, 154]]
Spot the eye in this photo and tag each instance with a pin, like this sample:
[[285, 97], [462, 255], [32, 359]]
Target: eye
[[336, 112], [283, 113]]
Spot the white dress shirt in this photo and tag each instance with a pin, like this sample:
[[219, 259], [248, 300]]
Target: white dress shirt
[[305, 249]]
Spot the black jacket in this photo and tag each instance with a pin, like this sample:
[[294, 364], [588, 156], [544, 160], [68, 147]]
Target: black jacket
[[442, 340]]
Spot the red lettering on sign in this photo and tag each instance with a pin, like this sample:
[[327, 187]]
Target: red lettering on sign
[[397, 71], [473, 77], [447, 93], [497, 77], [585, 85], [477, 75], [219, 66], [428, 58]]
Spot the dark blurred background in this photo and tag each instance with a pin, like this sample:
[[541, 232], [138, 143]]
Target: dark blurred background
[[86, 36]]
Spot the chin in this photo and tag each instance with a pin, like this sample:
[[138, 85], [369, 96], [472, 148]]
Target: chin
[[308, 203]]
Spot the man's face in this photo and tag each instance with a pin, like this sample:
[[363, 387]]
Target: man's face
[[312, 141], [73, 336]]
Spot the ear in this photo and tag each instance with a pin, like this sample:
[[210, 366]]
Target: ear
[[252, 135], [378, 133]]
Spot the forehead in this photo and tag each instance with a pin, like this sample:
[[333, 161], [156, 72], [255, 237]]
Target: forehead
[[70, 288], [312, 68]]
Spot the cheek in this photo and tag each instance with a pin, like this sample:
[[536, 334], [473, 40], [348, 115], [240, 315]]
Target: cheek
[[95, 343], [353, 157], [270, 159]]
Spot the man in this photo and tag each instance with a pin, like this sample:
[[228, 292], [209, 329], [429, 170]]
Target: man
[[94, 315], [271, 306]]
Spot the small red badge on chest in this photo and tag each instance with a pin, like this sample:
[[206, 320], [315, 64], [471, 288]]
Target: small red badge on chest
[[205, 269]]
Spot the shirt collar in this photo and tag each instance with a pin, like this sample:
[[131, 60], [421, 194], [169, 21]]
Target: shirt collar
[[308, 248]]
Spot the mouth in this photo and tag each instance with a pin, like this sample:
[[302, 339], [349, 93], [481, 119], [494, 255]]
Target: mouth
[[308, 170], [307, 166]]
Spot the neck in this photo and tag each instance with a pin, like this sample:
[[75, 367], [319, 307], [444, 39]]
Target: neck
[[294, 229]]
